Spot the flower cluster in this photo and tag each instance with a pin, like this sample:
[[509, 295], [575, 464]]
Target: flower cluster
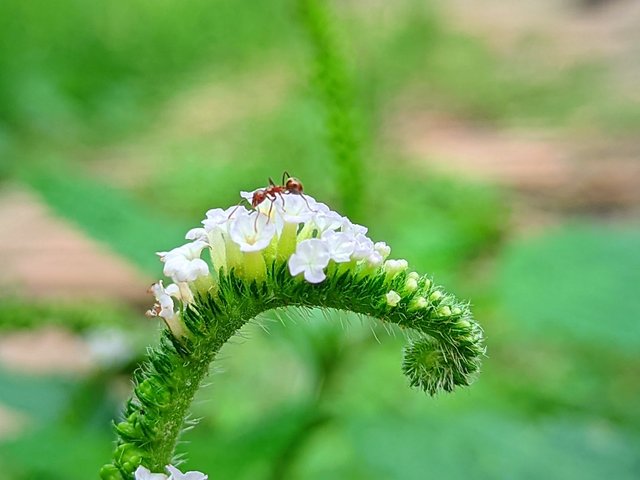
[[296, 229], [143, 473]]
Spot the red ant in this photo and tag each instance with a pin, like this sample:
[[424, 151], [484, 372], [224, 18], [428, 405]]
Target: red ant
[[290, 185]]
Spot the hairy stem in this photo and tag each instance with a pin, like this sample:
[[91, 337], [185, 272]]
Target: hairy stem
[[446, 348]]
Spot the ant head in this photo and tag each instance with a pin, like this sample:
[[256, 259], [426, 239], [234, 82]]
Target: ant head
[[293, 185], [259, 196]]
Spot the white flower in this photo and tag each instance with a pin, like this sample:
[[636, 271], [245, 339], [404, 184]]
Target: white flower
[[218, 219], [178, 475], [393, 298], [183, 264], [349, 227], [143, 473], [252, 232], [296, 209], [329, 220], [164, 307], [197, 234], [383, 249], [311, 257], [363, 248], [340, 245], [375, 259], [393, 267]]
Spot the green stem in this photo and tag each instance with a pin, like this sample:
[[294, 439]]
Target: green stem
[[334, 89], [445, 352]]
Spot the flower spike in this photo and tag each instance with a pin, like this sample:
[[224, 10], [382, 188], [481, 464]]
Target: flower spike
[[287, 249]]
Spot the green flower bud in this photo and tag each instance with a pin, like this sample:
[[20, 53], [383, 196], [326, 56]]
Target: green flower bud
[[110, 472], [435, 296]]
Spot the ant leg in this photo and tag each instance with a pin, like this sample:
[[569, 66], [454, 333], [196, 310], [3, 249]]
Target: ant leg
[[307, 202], [235, 209], [271, 182]]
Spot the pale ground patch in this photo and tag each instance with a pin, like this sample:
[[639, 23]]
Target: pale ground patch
[[45, 257], [558, 172], [557, 33], [45, 350]]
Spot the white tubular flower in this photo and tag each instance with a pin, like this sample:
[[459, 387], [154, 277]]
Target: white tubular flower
[[363, 248], [218, 219], [197, 234], [393, 298], [311, 258], [393, 267], [325, 221], [164, 307], [183, 264], [340, 245], [349, 227], [143, 473], [178, 475], [382, 249], [252, 232], [375, 259], [295, 208]]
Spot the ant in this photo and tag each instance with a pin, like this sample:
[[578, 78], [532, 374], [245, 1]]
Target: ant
[[289, 185]]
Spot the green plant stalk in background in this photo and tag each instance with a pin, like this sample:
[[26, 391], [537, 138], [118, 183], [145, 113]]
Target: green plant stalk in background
[[331, 81]]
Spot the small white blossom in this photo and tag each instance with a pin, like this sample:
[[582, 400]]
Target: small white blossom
[[393, 298], [375, 259], [218, 219], [383, 249], [311, 258], [183, 264], [295, 208], [363, 248], [198, 233], [252, 232], [340, 245], [350, 227], [164, 306], [143, 473], [392, 267], [178, 475]]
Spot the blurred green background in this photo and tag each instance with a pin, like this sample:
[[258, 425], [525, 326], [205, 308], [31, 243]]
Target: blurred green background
[[494, 146]]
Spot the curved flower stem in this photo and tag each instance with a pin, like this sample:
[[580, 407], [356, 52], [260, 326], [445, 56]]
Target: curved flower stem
[[445, 352]]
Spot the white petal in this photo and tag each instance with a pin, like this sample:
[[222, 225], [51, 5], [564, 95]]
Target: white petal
[[196, 234], [178, 475], [143, 473], [297, 264], [314, 275]]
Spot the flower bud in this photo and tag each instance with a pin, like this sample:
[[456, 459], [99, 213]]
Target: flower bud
[[435, 296], [419, 303], [411, 285], [444, 311], [393, 298], [110, 472], [393, 267]]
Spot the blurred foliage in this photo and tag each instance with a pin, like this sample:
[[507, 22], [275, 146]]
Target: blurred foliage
[[81, 82], [583, 288]]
